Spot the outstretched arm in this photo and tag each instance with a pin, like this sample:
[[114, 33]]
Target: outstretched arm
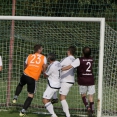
[[67, 67], [74, 64]]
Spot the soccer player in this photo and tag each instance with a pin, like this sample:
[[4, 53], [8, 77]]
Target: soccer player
[[0, 63], [67, 79], [53, 75], [85, 77], [35, 63]]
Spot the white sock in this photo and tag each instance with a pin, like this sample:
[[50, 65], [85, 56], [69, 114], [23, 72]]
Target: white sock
[[55, 96], [65, 108], [49, 107]]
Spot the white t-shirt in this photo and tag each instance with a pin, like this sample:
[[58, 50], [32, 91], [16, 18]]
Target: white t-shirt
[[76, 63], [53, 72], [0, 61], [68, 75]]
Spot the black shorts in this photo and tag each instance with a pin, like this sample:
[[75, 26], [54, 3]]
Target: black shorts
[[29, 81]]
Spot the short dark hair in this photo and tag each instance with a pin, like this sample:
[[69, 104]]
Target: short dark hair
[[37, 47], [52, 56], [72, 50], [87, 52]]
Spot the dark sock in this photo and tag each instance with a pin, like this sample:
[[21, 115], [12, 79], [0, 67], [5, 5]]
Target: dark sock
[[92, 107], [27, 103], [85, 101], [18, 90]]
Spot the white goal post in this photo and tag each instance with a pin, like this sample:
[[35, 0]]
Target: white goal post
[[75, 19]]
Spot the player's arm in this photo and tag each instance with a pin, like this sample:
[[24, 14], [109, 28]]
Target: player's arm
[[45, 75], [74, 64], [44, 65], [26, 62], [48, 71], [0, 63], [67, 68], [44, 68], [0, 68]]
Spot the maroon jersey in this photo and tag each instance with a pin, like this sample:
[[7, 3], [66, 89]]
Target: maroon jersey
[[85, 72]]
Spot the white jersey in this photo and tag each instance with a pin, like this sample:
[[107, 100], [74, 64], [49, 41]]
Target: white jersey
[[53, 72], [0, 61], [68, 75]]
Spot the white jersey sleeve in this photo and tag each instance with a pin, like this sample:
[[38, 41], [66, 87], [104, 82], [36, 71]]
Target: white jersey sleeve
[[49, 70], [76, 63], [63, 62], [26, 61], [45, 60], [1, 61], [53, 75]]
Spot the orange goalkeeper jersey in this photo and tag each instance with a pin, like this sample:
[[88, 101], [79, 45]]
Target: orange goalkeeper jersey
[[34, 65]]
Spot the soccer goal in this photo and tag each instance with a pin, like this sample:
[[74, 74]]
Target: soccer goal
[[18, 35]]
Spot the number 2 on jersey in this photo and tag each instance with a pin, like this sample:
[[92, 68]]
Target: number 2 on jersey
[[35, 59], [89, 66]]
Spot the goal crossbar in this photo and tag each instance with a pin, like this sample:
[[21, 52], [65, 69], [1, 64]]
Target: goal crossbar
[[82, 19]]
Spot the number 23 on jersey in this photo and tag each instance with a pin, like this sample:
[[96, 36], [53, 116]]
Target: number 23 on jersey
[[35, 59]]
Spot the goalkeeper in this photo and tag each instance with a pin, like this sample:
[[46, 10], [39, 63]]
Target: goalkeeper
[[35, 63], [85, 78]]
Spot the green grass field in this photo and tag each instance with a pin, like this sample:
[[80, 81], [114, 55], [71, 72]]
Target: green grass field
[[15, 114], [74, 100]]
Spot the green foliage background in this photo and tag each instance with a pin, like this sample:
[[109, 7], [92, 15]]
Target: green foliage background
[[71, 8]]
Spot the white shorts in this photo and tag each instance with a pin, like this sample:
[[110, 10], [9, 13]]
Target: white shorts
[[90, 90], [49, 92], [65, 87]]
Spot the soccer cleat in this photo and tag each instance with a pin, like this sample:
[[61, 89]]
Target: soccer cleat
[[53, 101], [14, 101], [22, 114]]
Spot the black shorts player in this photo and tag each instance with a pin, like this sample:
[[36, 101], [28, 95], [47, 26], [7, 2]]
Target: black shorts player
[[34, 65], [30, 83]]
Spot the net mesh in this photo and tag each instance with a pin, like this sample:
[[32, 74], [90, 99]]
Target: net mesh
[[109, 107], [55, 37], [24, 41]]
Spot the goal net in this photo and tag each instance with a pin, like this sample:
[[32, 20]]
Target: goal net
[[57, 36]]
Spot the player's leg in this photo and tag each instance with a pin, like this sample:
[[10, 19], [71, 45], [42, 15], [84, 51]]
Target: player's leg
[[91, 92], [49, 92], [83, 90], [65, 87], [54, 98], [31, 89], [19, 88]]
